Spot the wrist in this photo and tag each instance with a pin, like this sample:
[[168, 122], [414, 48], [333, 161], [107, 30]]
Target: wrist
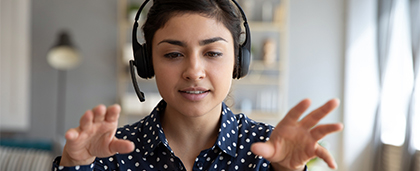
[[68, 161]]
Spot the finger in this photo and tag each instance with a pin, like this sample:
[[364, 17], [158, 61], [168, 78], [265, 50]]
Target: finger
[[121, 146], [72, 134], [264, 149], [294, 114], [99, 113], [86, 120], [321, 131], [113, 112], [315, 116], [323, 153]]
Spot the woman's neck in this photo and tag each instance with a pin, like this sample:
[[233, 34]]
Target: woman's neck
[[188, 136], [186, 128]]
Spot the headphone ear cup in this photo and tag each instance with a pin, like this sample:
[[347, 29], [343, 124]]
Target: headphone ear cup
[[242, 66], [148, 65], [246, 61], [143, 62]]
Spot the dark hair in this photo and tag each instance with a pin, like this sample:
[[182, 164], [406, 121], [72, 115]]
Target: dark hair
[[222, 10]]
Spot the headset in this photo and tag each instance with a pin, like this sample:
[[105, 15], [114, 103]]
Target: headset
[[143, 62]]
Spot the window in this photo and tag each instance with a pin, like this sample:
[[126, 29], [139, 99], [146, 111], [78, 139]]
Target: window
[[416, 118], [398, 78]]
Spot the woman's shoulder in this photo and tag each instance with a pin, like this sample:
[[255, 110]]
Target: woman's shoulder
[[246, 127], [128, 130], [144, 125], [251, 128]]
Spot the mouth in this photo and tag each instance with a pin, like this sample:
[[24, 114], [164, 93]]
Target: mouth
[[194, 92]]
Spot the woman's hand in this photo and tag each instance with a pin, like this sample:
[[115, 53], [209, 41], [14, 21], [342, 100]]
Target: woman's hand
[[94, 137], [293, 143]]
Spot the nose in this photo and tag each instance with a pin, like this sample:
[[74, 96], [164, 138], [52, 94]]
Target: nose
[[194, 68]]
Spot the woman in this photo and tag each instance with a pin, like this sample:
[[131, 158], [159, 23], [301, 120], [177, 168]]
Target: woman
[[194, 47]]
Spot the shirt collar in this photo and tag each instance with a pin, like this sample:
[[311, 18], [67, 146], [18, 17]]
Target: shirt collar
[[228, 132], [153, 135]]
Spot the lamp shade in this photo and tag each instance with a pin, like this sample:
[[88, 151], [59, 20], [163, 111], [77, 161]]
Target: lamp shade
[[63, 55]]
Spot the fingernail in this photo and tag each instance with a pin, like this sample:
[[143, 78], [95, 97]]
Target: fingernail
[[335, 165]]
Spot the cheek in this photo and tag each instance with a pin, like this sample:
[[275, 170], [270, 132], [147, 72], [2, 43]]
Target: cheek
[[161, 69], [163, 75], [223, 73], [165, 82], [229, 67]]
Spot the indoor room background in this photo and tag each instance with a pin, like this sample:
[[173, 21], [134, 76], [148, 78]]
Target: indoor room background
[[362, 52]]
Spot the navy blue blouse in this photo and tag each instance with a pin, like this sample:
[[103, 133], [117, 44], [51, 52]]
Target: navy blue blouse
[[152, 152]]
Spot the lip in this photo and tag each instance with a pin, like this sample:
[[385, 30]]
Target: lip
[[194, 93]]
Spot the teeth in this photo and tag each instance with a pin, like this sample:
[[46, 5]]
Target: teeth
[[195, 92]]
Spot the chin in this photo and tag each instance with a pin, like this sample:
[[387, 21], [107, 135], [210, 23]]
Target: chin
[[196, 108]]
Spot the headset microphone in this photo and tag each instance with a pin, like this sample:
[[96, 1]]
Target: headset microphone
[[139, 50], [139, 93]]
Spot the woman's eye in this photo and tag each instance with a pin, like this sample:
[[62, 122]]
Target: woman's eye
[[214, 54], [172, 55]]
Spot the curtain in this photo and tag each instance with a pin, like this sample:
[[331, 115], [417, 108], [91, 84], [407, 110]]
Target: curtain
[[384, 23], [409, 155], [398, 31]]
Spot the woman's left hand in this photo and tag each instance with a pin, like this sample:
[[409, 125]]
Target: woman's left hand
[[293, 143]]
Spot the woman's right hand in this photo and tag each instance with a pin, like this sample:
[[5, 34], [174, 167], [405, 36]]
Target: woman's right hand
[[95, 137]]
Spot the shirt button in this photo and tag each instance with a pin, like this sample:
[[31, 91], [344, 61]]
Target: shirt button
[[199, 164]]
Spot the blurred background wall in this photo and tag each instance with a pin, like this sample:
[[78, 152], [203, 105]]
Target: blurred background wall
[[93, 28], [316, 59]]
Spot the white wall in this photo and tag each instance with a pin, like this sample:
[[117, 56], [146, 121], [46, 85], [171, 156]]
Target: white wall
[[362, 85], [332, 54], [316, 59]]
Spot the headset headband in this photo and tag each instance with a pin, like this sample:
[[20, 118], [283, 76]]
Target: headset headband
[[246, 44]]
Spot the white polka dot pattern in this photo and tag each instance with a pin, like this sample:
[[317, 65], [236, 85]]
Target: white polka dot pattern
[[231, 150]]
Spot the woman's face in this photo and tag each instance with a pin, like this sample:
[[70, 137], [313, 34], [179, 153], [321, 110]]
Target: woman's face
[[193, 60]]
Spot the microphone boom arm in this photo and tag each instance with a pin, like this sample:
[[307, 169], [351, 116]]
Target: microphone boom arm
[[139, 93]]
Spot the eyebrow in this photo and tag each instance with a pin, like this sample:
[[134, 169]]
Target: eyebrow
[[173, 42], [211, 40], [201, 43]]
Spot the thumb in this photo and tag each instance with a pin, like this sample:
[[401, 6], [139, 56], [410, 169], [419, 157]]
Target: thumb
[[121, 146], [264, 149], [72, 134]]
